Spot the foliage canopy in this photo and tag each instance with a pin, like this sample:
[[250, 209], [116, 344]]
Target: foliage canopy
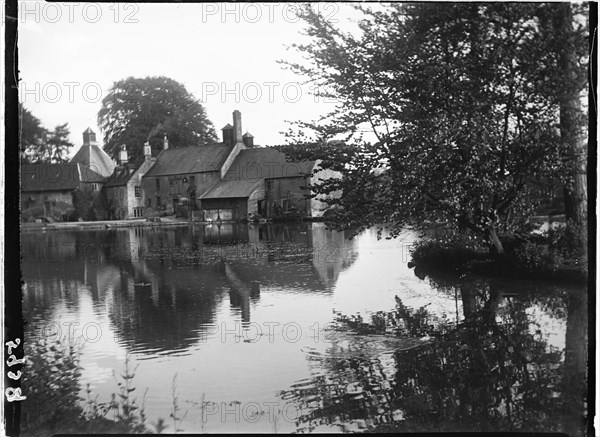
[[463, 99], [137, 110]]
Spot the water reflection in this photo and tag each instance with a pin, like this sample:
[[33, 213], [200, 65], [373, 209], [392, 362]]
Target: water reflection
[[161, 286], [495, 369], [462, 354]]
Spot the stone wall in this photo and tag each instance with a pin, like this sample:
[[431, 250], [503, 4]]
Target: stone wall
[[290, 191], [117, 200], [55, 205], [171, 187], [257, 195]]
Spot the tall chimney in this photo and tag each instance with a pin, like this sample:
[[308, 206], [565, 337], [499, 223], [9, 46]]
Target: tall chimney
[[165, 142], [228, 135], [89, 137], [248, 140], [237, 127], [147, 150], [123, 155]]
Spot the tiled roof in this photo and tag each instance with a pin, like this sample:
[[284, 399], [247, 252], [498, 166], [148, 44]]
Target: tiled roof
[[56, 177], [93, 157], [191, 159], [265, 163], [251, 167], [228, 189], [121, 175]]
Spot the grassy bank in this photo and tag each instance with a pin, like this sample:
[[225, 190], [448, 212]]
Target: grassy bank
[[545, 256]]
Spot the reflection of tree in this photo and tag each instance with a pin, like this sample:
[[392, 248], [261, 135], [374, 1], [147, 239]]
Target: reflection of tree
[[574, 380], [493, 371], [354, 393], [164, 310], [482, 375]]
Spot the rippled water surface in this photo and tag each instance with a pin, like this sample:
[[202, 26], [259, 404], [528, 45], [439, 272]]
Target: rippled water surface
[[243, 316]]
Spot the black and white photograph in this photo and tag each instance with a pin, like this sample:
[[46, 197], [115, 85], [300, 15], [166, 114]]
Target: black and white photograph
[[287, 218]]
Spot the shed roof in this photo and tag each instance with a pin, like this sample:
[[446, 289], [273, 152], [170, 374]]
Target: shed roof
[[229, 189], [191, 159]]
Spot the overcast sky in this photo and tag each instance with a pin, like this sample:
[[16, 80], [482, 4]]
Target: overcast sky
[[225, 54]]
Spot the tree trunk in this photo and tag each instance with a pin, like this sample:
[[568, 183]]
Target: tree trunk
[[572, 135], [495, 241], [575, 389]]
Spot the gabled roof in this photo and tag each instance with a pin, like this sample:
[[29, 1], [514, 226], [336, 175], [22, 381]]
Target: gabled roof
[[229, 189], [191, 159], [93, 157], [266, 163], [56, 177], [251, 167], [121, 175]]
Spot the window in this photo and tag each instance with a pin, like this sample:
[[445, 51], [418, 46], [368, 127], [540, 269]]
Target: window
[[192, 181], [122, 193], [138, 191], [138, 212], [149, 202], [95, 187], [269, 184], [157, 184]]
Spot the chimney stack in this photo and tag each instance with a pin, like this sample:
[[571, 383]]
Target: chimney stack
[[165, 142], [228, 135], [237, 127], [89, 137], [147, 150], [248, 140], [123, 155]]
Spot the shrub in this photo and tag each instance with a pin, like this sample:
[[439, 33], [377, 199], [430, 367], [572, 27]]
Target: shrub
[[446, 252], [538, 257], [53, 405], [51, 383]]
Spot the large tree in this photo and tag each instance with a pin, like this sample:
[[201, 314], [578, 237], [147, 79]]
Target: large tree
[[462, 99], [38, 144], [572, 122], [137, 110]]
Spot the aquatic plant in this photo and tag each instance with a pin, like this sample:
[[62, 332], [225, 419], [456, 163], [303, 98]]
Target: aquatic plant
[[52, 385], [175, 407]]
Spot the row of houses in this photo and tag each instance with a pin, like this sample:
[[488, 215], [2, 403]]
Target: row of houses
[[231, 180]]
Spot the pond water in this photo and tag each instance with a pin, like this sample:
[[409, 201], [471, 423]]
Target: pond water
[[236, 323]]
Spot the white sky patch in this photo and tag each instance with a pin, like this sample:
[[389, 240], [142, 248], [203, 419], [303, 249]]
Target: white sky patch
[[225, 54]]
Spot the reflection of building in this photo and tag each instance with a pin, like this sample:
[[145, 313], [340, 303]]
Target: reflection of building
[[332, 253], [161, 286], [240, 292], [159, 309]]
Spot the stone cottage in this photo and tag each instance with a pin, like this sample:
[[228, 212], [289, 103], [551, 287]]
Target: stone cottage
[[66, 191], [125, 197], [231, 180], [58, 192]]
